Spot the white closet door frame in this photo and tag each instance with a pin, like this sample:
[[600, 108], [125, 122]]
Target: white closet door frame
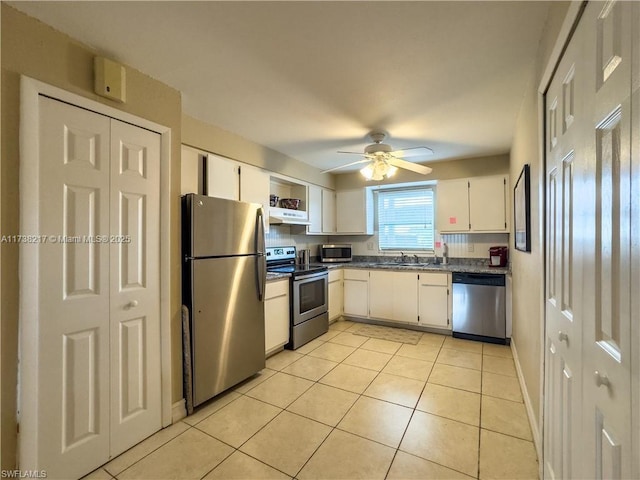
[[30, 90]]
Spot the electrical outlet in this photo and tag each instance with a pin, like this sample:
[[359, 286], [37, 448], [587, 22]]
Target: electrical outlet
[[369, 245], [470, 247]]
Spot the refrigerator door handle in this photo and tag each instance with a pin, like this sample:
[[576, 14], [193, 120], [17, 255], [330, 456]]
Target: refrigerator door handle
[[261, 263]]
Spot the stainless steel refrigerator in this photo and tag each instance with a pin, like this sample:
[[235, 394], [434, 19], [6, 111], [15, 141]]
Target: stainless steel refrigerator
[[224, 275]]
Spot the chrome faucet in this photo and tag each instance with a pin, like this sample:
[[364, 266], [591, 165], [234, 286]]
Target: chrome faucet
[[416, 257], [403, 258]]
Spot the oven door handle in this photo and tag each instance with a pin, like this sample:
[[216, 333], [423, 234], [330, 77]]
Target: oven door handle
[[311, 275]]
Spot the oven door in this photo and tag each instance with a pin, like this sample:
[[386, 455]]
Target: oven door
[[309, 297]]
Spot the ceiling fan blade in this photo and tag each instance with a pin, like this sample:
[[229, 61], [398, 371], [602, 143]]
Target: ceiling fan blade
[[415, 153], [364, 160], [362, 154], [414, 167]]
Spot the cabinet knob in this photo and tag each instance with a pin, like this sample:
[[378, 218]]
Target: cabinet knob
[[563, 337], [600, 379]]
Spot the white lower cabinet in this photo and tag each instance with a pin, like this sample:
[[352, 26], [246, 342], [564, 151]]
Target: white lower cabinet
[[408, 297], [381, 294], [335, 294], [433, 300], [393, 296], [276, 315], [356, 292]]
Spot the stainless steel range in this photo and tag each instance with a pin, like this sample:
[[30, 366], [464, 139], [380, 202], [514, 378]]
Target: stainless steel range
[[308, 295]]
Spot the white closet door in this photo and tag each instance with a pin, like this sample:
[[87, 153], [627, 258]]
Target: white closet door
[[73, 285], [98, 309], [135, 285], [607, 278], [566, 171]]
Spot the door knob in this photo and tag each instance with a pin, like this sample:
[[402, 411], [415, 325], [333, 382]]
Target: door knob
[[600, 379], [132, 304], [563, 337]]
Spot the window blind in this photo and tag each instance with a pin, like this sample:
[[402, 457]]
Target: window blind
[[405, 219]]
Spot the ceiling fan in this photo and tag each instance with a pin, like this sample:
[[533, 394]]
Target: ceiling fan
[[383, 161]]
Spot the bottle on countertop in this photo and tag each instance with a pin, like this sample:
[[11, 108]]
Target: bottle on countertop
[[445, 254]]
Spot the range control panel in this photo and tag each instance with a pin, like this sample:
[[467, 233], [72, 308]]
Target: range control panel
[[275, 254]]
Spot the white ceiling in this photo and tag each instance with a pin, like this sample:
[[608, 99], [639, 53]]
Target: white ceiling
[[310, 78]]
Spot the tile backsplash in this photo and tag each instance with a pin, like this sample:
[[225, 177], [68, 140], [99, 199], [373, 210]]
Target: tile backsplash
[[285, 235], [462, 245]]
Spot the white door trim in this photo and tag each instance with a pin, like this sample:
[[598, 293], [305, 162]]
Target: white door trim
[[30, 90]]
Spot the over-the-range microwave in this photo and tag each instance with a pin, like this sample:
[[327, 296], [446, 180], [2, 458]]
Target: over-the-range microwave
[[335, 253]]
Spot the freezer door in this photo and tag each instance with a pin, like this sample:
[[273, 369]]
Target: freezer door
[[220, 227], [227, 324]]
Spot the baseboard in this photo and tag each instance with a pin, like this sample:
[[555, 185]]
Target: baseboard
[[178, 411], [533, 420]]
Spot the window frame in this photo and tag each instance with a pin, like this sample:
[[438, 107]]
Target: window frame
[[406, 187]]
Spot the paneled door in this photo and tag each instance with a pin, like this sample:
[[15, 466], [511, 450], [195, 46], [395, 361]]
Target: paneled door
[[134, 285], [565, 166], [590, 250], [99, 341], [607, 283]]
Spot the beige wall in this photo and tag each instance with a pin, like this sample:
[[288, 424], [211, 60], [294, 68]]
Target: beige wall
[[464, 167], [36, 50], [203, 136], [528, 268]]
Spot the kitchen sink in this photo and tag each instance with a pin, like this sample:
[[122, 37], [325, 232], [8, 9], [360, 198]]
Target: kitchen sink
[[406, 264]]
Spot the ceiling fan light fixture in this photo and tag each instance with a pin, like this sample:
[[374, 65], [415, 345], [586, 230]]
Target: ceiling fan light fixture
[[367, 172], [391, 171], [378, 170]]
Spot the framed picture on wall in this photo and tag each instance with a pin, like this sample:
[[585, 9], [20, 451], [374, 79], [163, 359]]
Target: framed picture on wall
[[522, 211]]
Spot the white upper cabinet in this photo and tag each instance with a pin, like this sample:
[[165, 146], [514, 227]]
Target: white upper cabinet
[[223, 177], [354, 212], [191, 163], [475, 205], [322, 210], [328, 211], [233, 180], [488, 203], [452, 200], [254, 186]]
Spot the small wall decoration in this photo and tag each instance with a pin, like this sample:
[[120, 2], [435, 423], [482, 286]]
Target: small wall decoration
[[522, 211]]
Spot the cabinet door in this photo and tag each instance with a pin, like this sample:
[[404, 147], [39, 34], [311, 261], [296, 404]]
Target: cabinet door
[[223, 179], [276, 315], [191, 168], [314, 209], [356, 292], [433, 300], [328, 211], [353, 214], [381, 290], [254, 188], [453, 206], [405, 297], [488, 204], [335, 299]]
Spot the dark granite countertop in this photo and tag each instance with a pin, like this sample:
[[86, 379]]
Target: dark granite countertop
[[271, 276], [421, 267]]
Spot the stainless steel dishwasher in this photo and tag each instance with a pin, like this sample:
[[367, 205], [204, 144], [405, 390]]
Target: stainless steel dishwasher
[[479, 311]]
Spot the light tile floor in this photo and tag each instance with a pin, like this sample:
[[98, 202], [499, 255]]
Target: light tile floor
[[347, 407]]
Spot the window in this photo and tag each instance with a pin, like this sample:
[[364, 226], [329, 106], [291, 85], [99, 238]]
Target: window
[[405, 219]]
